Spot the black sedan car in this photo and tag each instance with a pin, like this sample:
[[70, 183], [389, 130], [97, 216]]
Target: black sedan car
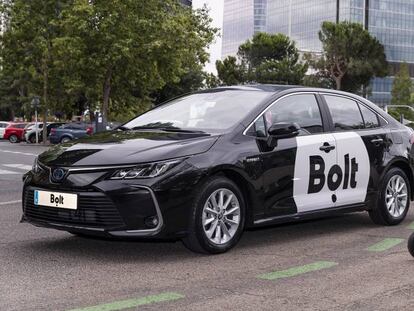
[[205, 166]]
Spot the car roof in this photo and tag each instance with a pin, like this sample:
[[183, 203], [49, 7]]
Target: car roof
[[279, 88], [272, 88]]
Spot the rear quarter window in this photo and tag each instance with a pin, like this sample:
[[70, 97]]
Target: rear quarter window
[[345, 113], [370, 118]]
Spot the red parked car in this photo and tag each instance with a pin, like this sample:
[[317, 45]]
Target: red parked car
[[14, 132]]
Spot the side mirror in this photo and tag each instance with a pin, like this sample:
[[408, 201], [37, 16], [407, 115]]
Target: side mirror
[[280, 131]]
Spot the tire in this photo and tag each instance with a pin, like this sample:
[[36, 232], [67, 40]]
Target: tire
[[381, 214], [411, 244], [32, 139], [205, 239], [13, 139], [65, 140]]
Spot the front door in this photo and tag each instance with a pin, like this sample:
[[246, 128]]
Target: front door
[[317, 175], [295, 171]]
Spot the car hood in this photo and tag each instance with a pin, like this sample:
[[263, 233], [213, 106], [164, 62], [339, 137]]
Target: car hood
[[127, 147]]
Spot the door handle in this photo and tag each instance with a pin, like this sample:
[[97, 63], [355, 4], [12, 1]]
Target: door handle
[[377, 141], [326, 147]]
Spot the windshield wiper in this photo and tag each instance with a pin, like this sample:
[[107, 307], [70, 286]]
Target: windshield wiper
[[178, 130], [166, 129]]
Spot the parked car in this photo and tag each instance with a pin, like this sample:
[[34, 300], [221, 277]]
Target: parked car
[[113, 125], [207, 165], [30, 133], [15, 132], [70, 131], [3, 126]]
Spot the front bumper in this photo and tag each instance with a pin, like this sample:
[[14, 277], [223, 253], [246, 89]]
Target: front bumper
[[118, 208], [122, 215]]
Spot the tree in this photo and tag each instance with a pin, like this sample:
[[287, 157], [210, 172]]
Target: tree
[[351, 56], [113, 55], [211, 80], [229, 72], [189, 82], [266, 58], [402, 87], [125, 50], [272, 58], [27, 53]]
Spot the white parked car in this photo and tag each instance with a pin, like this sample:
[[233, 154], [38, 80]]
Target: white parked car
[[30, 132], [3, 126]]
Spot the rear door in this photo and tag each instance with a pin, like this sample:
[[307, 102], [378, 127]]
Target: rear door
[[355, 154]]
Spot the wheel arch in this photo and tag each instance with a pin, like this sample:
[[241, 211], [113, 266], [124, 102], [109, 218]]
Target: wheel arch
[[15, 135], [66, 135], [246, 188]]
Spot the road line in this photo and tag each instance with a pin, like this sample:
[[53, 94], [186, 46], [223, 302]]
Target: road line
[[19, 166], [132, 303], [10, 202], [411, 226], [18, 152], [294, 271], [6, 172], [385, 244]]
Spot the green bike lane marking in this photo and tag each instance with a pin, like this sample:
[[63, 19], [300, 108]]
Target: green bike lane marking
[[411, 226], [132, 303], [294, 271], [385, 244]]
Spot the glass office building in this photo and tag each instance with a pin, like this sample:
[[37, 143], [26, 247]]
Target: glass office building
[[391, 21], [238, 24]]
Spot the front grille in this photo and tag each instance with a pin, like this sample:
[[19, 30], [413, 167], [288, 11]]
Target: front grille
[[94, 210]]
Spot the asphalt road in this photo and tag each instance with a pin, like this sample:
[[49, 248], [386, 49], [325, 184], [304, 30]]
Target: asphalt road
[[342, 263]]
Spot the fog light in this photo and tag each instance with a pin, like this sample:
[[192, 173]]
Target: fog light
[[151, 222]]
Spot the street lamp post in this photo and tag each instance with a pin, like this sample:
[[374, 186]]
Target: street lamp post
[[35, 104]]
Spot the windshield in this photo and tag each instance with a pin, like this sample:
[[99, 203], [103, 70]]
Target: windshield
[[213, 111]]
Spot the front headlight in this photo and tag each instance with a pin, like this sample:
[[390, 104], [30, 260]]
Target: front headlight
[[146, 170]]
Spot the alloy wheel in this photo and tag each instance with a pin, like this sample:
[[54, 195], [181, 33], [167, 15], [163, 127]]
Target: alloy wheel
[[396, 196], [221, 216], [13, 139]]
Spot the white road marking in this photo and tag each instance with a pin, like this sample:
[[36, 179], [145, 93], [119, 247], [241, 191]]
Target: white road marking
[[23, 167], [10, 202], [18, 152], [6, 172]]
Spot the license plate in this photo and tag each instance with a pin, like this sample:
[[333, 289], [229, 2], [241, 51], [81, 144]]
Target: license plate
[[56, 199]]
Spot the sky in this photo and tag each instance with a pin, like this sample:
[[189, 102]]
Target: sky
[[216, 12]]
